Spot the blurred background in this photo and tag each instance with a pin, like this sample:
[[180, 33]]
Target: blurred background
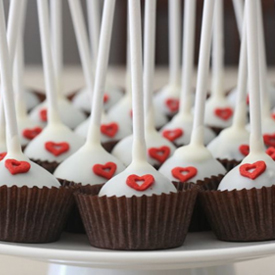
[[118, 57]]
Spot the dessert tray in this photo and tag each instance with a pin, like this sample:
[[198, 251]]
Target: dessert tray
[[72, 254]]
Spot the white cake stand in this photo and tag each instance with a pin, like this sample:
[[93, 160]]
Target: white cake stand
[[202, 254]]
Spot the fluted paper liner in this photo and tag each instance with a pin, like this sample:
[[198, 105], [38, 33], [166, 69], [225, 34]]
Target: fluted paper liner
[[229, 164], [138, 223], [74, 223], [199, 221], [242, 216], [33, 215], [50, 166]]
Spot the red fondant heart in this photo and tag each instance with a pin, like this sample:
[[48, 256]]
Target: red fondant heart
[[172, 134], [273, 115], [132, 181], [105, 98], [160, 154], [244, 149], [271, 152], [269, 140], [131, 113], [43, 115], [17, 167], [105, 170], [258, 168], [2, 155], [247, 99], [172, 104], [184, 174], [57, 148], [31, 133], [109, 130], [224, 113]]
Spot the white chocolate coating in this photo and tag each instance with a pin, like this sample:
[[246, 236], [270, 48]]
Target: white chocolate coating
[[234, 180], [268, 125], [213, 120], [195, 156], [226, 145], [162, 95], [117, 185], [123, 129], [70, 116], [186, 124], [36, 176], [32, 99], [3, 147], [153, 140], [55, 133], [82, 100], [83, 161]]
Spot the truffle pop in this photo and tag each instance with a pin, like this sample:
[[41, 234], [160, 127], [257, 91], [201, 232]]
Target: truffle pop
[[195, 162]]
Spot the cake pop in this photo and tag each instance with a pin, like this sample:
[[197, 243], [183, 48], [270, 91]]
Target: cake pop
[[179, 129], [56, 142], [69, 115], [194, 162], [158, 148], [167, 99], [218, 110], [93, 163]]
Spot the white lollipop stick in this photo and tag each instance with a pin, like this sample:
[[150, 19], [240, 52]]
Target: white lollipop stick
[[262, 62], [2, 123], [43, 16], [139, 148], [239, 119], [57, 45], [149, 60], [174, 42], [203, 70], [188, 55], [256, 140], [218, 51], [94, 26], [13, 144], [101, 71], [128, 61], [82, 41], [239, 12]]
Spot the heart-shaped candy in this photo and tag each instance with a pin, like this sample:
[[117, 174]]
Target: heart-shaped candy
[[31, 133], [252, 170], [2, 155], [109, 130], [57, 148], [172, 134], [224, 113], [17, 167], [273, 115], [269, 139], [106, 170], [247, 99], [105, 98], [183, 174], [271, 152], [134, 181], [244, 149], [43, 115], [160, 154], [172, 104]]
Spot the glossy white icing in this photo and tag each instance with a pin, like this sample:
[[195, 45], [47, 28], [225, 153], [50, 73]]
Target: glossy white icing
[[69, 115], [53, 133], [83, 161], [193, 156], [32, 99]]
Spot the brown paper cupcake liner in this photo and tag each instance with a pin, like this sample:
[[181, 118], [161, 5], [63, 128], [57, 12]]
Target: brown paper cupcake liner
[[74, 223], [138, 223], [33, 215], [242, 216], [109, 146], [229, 164], [50, 166], [199, 221]]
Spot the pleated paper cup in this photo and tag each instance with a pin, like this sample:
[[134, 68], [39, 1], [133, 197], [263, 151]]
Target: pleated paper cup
[[199, 221], [229, 164], [50, 166], [138, 223], [33, 215], [241, 216]]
